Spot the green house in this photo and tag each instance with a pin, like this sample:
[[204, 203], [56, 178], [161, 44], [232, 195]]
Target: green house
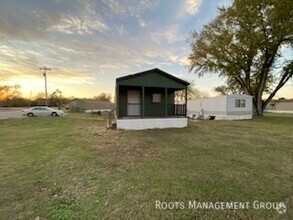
[[147, 100]]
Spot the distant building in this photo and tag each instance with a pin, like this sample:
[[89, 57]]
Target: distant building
[[90, 105], [271, 105], [229, 107], [280, 105]]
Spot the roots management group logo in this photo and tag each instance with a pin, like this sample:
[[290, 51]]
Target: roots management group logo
[[280, 207]]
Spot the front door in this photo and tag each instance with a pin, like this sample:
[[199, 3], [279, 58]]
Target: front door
[[133, 103]]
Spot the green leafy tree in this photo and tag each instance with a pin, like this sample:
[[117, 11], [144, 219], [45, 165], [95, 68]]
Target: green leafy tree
[[244, 45], [228, 89]]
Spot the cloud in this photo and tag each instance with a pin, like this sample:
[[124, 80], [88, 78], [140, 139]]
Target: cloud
[[129, 7], [87, 6], [181, 60], [69, 24], [192, 6], [120, 30], [141, 22], [82, 17], [169, 35], [189, 7], [131, 41], [14, 56]]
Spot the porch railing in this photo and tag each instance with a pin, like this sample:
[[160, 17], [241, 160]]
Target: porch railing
[[180, 109], [152, 110]]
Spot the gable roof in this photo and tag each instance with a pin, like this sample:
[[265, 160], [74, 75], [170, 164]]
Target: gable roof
[[152, 71]]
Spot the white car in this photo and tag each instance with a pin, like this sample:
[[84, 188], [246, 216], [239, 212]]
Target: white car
[[41, 111]]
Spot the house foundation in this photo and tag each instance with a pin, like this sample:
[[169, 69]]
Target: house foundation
[[151, 123]]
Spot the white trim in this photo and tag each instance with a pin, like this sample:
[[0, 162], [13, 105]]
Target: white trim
[[151, 123]]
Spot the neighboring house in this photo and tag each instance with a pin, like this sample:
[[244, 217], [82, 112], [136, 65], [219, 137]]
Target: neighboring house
[[90, 105], [146, 100], [230, 107], [271, 105], [282, 105]]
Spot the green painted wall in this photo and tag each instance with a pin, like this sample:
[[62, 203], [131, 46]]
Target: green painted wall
[[151, 109]]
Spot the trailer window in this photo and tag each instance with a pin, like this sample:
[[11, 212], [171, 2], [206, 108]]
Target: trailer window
[[240, 103]]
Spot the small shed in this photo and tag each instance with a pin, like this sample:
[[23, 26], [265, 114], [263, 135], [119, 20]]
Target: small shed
[[230, 107], [146, 100]]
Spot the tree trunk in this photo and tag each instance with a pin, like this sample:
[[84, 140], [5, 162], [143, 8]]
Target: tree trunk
[[258, 106]]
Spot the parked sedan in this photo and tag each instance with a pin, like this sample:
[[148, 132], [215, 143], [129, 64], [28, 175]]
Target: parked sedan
[[41, 111]]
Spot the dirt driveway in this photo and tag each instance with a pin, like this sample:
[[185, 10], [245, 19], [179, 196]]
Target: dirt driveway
[[10, 113]]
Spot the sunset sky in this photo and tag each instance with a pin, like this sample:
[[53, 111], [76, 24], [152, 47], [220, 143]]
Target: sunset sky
[[89, 43]]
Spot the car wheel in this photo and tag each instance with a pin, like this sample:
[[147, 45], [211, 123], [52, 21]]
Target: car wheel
[[54, 114], [30, 114]]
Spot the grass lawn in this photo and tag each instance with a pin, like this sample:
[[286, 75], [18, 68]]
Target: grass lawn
[[73, 168]]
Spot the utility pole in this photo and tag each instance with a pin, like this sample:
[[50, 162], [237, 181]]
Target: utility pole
[[45, 75], [30, 99]]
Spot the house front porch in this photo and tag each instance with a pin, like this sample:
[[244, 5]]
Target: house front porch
[[147, 100]]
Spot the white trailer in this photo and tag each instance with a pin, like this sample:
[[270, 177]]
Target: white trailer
[[230, 107]]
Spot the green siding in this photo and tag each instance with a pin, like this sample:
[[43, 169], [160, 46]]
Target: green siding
[[150, 109], [152, 79], [122, 108], [154, 109]]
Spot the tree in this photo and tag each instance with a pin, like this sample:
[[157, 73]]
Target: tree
[[192, 93], [39, 99], [4, 92], [9, 94], [228, 89], [244, 45], [198, 94], [103, 97], [56, 98]]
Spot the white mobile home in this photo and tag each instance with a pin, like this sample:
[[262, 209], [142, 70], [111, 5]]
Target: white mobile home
[[230, 107]]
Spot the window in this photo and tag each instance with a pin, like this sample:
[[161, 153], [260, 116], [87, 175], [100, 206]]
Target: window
[[240, 103], [157, 98]]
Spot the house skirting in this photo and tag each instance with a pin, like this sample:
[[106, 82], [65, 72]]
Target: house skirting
[[231, 117], [151, 123], [222, 116]]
